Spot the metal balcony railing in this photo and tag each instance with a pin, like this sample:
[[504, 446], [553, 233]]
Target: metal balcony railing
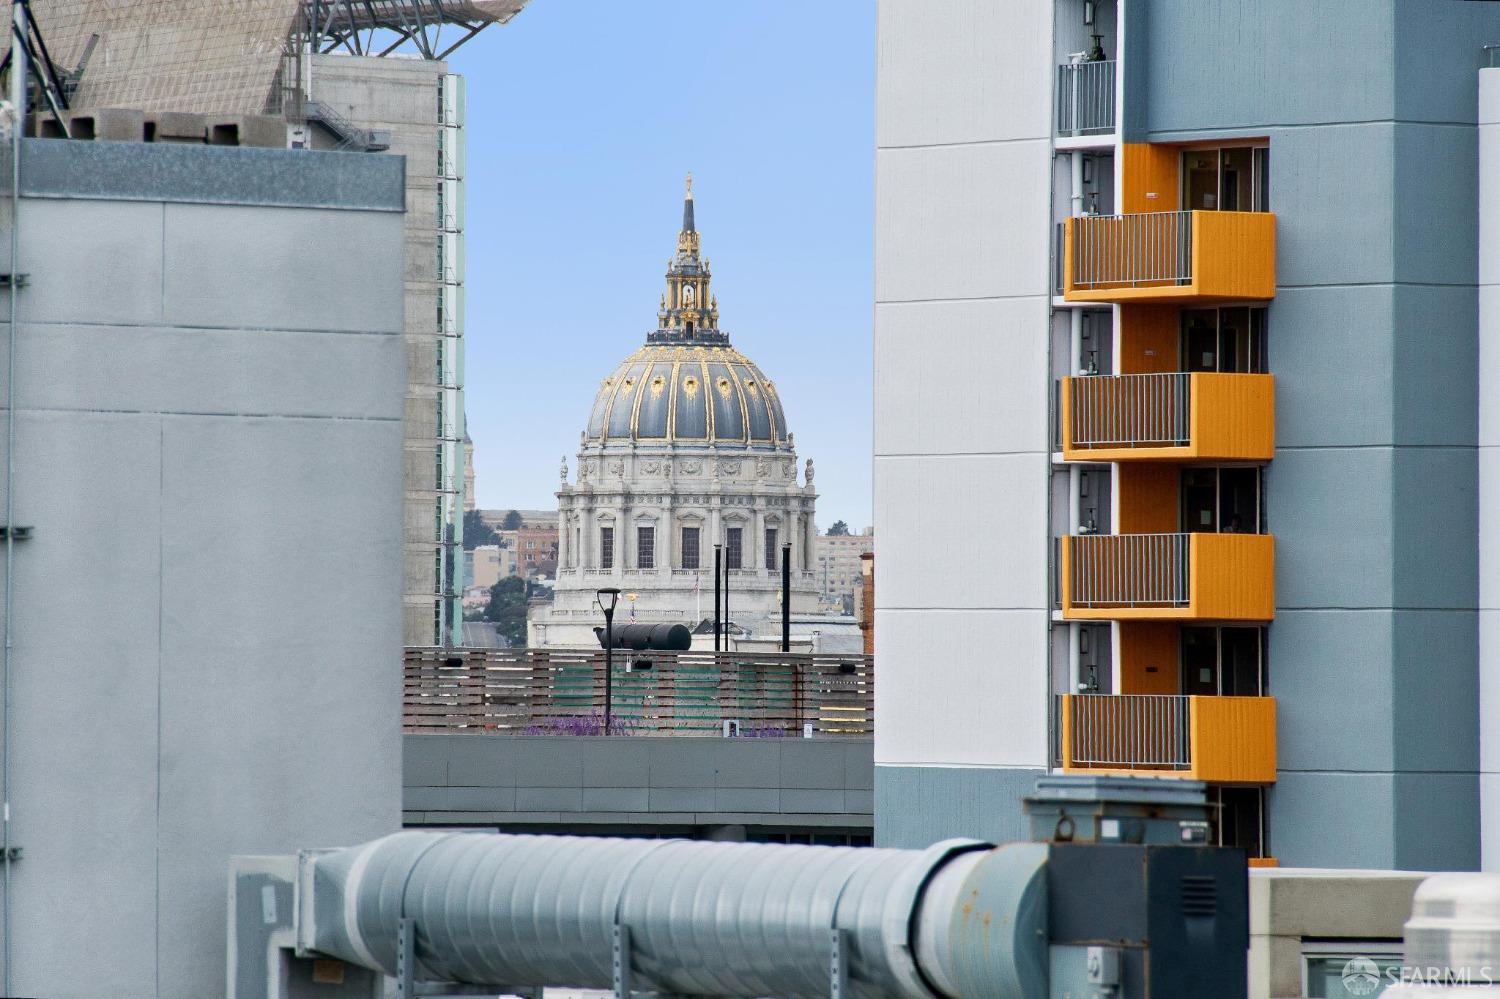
[[1131, 410], [1086, 98], [1144, 248], [1129, 570], [1127, 731]]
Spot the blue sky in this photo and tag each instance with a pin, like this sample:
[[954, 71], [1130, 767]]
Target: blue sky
[[583, 117]]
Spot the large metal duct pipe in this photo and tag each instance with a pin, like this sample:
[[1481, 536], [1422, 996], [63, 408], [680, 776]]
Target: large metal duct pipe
[[708, 919]]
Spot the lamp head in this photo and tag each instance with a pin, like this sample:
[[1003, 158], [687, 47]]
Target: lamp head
[[607, 596]]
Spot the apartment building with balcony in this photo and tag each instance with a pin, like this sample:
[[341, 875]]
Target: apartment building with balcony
[[1177, 315]]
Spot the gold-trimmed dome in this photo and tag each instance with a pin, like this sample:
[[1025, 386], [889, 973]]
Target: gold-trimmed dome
[[743, 408]]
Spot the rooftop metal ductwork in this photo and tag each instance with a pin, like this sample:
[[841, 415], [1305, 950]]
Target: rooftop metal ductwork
[[1117, 898], [959, 919]]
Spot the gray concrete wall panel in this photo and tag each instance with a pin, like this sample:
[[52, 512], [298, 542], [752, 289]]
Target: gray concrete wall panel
[[1435, 514], [1331, 512], [1436, 352], [931, 51], [222, 175], [1330, 353], [304, 263], [197, 614], [918, 806], [1209, 67], [637, 780], [1436, 691], [1333, 819], [1325, 657]]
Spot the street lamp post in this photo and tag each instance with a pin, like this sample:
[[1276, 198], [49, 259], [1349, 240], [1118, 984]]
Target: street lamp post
[[606, 598]]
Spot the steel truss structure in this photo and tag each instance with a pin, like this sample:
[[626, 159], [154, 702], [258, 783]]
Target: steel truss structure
[[381, 27]]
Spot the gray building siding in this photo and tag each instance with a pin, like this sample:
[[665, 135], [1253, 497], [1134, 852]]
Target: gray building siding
[[918, 806], [572, 784], [209, 455], [1370, 111]]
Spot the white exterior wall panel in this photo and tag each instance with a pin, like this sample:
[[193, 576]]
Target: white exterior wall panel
[[1489, 466], [961, 286]]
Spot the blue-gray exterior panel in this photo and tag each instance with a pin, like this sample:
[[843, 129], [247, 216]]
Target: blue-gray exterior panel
[[1329, 350], [918, 806], [1435, 694], [1332, 820], [1435, 521], [1243, 63], [1436, 821], [1330, 674], [1330, 510], [638, 780], [1434, 359]]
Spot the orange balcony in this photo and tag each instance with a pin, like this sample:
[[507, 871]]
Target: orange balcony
[[1168, 577], [1198, 416], [1170, 257], [1226, 740]]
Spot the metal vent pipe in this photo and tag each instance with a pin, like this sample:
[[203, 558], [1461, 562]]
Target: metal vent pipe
[[959, 919]]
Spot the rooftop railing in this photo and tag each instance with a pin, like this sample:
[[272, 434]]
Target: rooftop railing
[[561, 692], [1086, 98]]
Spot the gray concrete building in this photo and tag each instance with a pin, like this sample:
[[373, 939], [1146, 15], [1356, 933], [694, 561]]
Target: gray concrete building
[[351, 77], [207, 460], [1175, 358]]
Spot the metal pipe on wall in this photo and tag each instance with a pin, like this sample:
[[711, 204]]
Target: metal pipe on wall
[[959, 919], [18, 71]]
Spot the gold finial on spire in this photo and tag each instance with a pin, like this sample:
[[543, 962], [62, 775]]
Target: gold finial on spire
[[690, 185]]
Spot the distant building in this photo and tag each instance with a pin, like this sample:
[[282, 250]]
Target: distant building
[[495, 519], [864, 601], [686, 450], [487, 565], [469, 502], [837, 568], [536, 551]]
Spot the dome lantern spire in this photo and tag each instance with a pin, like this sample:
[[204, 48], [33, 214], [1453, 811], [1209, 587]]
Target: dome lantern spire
[[690, 312]]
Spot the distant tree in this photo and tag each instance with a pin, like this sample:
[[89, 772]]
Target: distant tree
[[839, 529], [508, 609], [512, 522], [477, 532]]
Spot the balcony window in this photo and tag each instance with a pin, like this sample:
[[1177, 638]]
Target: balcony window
[[690, 547], [1224, 340], [1222, 500], [606, 547], [1229, 179], [645, 547]]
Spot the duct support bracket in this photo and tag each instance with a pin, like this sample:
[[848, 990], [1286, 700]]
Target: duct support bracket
[[17, 533], [406, 959], [13, 280], [838, 964], [621, 962]]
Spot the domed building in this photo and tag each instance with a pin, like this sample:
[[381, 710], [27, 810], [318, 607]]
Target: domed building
[[686, 447]]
